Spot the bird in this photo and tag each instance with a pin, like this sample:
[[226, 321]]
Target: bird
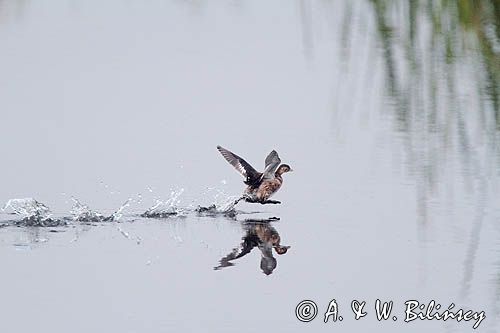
[[260, 185]]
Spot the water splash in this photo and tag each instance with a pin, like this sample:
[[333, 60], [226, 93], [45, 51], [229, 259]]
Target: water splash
[[82, 213], [224, 207], [33, 213], [119, 212], [168, 208], [227, 204], [224, 204], [27, 207]]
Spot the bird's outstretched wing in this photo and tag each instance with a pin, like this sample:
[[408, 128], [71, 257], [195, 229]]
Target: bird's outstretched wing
[[246, 170], [272, 163]]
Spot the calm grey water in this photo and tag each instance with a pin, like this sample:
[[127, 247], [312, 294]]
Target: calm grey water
[[388, 113]]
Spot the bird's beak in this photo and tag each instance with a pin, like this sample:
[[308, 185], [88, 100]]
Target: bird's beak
[[290, 170]]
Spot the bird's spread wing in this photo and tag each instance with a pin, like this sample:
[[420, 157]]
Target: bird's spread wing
[[246, 170], [272, 163]]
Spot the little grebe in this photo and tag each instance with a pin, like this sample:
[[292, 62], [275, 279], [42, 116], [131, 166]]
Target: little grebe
[[261, 186]]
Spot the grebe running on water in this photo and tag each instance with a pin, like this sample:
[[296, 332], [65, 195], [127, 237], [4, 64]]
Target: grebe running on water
[[261, 185]]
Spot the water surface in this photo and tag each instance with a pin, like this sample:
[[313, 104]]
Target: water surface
[[387, 111]]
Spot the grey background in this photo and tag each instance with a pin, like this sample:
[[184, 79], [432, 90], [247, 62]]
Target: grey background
[[395, 151]]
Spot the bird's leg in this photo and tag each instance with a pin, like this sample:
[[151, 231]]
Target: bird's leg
[[238, 200], [270, 202]]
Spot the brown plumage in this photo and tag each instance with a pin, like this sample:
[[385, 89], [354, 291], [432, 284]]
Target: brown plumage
[[261, 185]]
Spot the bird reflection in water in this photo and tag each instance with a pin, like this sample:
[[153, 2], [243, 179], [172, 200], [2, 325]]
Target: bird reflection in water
[[258, 233]]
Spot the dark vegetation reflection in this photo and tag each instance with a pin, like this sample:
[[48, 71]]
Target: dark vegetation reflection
[[440, 65], [445, 94], [257, 234], [444, 89], [441, 70]]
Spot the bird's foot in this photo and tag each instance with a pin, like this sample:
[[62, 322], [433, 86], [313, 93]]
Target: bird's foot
[[275, 202]]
